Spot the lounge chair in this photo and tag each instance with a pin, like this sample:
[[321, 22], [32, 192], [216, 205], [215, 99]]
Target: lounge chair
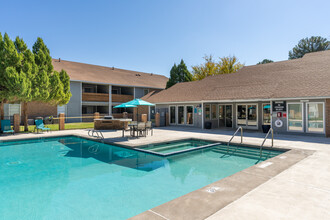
[[6, 127], [149, 127], [40, 126]]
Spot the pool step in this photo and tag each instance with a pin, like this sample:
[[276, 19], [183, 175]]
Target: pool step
[[173, 146], [248, 153]]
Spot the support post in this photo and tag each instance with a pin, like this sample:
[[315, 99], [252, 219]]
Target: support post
[[157, 119], [61, 121], [17, 122], [144, 117]]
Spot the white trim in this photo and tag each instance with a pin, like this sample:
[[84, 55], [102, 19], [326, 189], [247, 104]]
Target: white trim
[[102, 83], [288, 114], [246, 118], [202, 115], [245, 100], [133, 92], [306, 114], [110, 99]]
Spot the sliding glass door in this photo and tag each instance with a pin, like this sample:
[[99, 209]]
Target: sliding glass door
[[172, 115]]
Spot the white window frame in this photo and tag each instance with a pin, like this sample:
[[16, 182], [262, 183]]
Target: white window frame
[[262, 110], [257, 111], [185, 115], [306, 115], [302, 117], [175, 112]]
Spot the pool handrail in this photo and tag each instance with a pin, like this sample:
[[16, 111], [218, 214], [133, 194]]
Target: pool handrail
[[232, 137], [272, 131]]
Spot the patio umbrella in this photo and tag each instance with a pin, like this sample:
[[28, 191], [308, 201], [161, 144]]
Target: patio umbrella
[[134, 103]]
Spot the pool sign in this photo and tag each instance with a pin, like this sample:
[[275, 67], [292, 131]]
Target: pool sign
[[279, 106]]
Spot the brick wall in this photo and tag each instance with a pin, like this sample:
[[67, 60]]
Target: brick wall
[[142, 110], [327, 117], [41, 109]]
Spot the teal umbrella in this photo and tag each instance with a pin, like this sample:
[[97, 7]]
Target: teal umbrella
[[134, 103]]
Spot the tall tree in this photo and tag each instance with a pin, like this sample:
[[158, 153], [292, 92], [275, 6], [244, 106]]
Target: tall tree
[[308, 45], [27, 76], [264, 61], [179, 73], [211, 67]]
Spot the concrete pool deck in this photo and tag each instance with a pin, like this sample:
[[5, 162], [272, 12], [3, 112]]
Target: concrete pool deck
[[299, 189]]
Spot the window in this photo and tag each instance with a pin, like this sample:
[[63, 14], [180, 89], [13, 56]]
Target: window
[[180, 115], [266, 114], [207, 112], [295, 120], [172, 115], [189, 115], [214, 111], [315, 117], [145, 91], [14, 109]]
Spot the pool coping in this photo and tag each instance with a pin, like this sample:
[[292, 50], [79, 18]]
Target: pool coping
[[206, 201]]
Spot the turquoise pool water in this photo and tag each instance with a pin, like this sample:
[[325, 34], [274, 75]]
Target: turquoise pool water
[[75, 178], [174, 146]]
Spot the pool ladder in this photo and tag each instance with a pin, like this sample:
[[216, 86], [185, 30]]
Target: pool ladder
[[232, 137], [270, 131], [98, 134]]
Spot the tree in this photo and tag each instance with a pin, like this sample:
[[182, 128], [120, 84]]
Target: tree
[[179, 73], [27, 76], [264, 61], [308, 45], [211, 67]]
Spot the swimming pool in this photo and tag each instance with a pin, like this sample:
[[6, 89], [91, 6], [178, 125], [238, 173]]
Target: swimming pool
[[76, 178]]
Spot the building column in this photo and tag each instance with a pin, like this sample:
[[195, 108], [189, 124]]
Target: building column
[[327, 117], [110, 99]]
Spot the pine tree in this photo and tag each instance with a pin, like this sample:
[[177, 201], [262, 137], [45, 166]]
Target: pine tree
[[308, 45], [179, 73]]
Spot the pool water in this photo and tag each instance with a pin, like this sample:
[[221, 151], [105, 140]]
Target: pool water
[[175, 146], [75, 178]]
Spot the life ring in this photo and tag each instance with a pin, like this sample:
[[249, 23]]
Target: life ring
[[278, 123]]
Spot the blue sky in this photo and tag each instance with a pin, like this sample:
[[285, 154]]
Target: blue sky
[[151, 35]]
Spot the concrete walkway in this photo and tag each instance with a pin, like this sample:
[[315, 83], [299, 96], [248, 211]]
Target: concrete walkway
[[300, 192]]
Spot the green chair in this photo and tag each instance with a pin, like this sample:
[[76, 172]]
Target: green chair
[[6, 127], [40, 126]]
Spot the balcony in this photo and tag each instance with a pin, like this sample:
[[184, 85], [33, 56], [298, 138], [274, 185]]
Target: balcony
[[121, 98], [95, 97]]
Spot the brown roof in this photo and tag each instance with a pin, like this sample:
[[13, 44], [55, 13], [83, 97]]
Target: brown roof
[[115, 76], [305, 77]]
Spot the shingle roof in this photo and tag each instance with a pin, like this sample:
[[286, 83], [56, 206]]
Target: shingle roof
[[102, 74], [305, 77]]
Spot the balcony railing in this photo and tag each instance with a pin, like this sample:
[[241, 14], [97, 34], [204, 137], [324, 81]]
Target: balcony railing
[[95, 97], [121, 98]]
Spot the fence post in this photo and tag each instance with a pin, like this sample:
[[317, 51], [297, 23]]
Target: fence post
[[157, 119], [17, 123], [96, 115], [61, 122]]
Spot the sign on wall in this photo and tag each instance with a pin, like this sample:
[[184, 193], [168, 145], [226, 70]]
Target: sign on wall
[[279, 106]]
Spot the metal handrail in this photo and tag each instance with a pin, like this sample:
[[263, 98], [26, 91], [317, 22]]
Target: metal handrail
[[234, 136], [98, 134], [272, 131]]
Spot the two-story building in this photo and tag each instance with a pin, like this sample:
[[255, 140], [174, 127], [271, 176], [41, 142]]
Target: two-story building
[[95, 89]]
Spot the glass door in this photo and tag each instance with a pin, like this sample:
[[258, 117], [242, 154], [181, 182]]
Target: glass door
[[241, 115], [222, 121], [181, 115], [229, 116], [172, 115], [247, 115]]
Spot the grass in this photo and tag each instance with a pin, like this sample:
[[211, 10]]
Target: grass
[[68, 126]]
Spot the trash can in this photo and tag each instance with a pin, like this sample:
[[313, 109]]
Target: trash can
[[208, 125], [265, 128]]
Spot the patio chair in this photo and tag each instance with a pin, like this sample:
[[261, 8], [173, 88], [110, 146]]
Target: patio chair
[[141, 129], [149, 127], [6, 127], [132, 127], [40, 126]]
